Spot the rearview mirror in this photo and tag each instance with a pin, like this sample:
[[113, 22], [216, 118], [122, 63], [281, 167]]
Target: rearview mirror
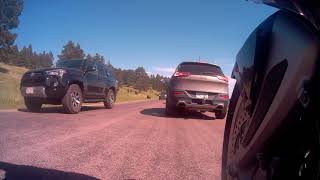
[[91, 68]]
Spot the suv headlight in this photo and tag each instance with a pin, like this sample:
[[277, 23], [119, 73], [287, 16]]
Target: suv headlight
[[56, 72]]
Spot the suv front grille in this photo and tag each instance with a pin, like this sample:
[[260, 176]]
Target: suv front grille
[[33, 79], [33, 74]]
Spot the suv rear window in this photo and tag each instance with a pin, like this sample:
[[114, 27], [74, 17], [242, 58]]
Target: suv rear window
[[200, 69]]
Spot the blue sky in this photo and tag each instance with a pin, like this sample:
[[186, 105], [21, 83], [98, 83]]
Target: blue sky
[[156, 34]]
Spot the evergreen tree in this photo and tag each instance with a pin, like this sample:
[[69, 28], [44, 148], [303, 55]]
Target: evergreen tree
[[71, 51]]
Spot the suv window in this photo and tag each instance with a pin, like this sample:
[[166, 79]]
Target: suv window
[[109, 73], [70, 63], [90, 63], [101, 70], [200, 69]]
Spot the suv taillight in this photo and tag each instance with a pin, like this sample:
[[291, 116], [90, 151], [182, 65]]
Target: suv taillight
[[223, 78], [223, 96], [181, 74]]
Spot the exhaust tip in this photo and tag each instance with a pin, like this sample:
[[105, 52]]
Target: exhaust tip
[[181, 104], [220, 107]]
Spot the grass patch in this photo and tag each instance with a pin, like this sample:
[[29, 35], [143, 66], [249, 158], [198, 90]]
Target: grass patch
[[10, 96], [130, 94]]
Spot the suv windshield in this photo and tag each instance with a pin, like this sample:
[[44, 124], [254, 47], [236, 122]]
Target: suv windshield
[[200, 69], [70, 63]]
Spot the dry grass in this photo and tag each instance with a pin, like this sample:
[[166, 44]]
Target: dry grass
[[130, 94], [10, 76]]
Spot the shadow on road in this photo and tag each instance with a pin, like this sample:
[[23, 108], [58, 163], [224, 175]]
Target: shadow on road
[[12, 171], [3, 70], [159, 112], [59, 109]]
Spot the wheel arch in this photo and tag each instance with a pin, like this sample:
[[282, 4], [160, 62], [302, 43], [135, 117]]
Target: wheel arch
[[113, 89], [79, 83]]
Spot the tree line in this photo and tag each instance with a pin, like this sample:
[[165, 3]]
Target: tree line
[[26, 57], [139, 79], [10, 10]]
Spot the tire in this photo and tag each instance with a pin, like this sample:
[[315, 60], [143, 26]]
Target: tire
[[170, 110], [220, 115], [233, 102], [32, 104], [72, 100], [109, 99]]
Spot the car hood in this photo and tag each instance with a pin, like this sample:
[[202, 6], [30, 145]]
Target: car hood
[[53, 68]]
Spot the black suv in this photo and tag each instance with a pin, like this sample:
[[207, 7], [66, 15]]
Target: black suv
[[70, 83]]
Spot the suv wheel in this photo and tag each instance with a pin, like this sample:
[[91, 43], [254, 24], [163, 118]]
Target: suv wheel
[[220, 114], [72, 100], [32, 105], [109, 99], [170, 110]]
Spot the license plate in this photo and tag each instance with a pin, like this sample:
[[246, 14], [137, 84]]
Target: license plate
[[202, 95], [29, 90]]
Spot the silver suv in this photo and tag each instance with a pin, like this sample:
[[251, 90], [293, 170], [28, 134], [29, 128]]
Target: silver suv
[[198, 86]]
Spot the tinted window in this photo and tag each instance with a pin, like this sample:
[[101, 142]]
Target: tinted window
[[70, 63], [109, 73], [200, 69], [101, 71], [89, 63]]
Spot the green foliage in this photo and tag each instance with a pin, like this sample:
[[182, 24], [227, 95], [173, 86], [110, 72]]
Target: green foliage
[[139, 79], [10, 11], [71, 51], [26, 57], [97, 58]]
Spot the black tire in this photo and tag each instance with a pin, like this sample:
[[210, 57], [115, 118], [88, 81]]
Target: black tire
[[220, 115], [170, 110], [72, 100], [33, 105], [109, 99], [232, 106]]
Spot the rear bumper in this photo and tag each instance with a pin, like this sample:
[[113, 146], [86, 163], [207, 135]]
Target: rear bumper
[[216, 106], [186, 101]]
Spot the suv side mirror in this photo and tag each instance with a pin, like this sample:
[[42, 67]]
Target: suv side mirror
[[91, 68]]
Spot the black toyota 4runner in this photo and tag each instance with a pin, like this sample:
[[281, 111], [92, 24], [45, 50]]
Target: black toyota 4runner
[[70, 83]]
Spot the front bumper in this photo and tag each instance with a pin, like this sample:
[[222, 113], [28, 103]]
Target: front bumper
[[37, 91], [44, 87]]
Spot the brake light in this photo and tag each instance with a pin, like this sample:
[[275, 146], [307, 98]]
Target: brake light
[[181, 74], [223, 78], [177, 92], [223, 96]]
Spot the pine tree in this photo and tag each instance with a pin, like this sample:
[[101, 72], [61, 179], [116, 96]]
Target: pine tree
[[10, 11], [71, 51]]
